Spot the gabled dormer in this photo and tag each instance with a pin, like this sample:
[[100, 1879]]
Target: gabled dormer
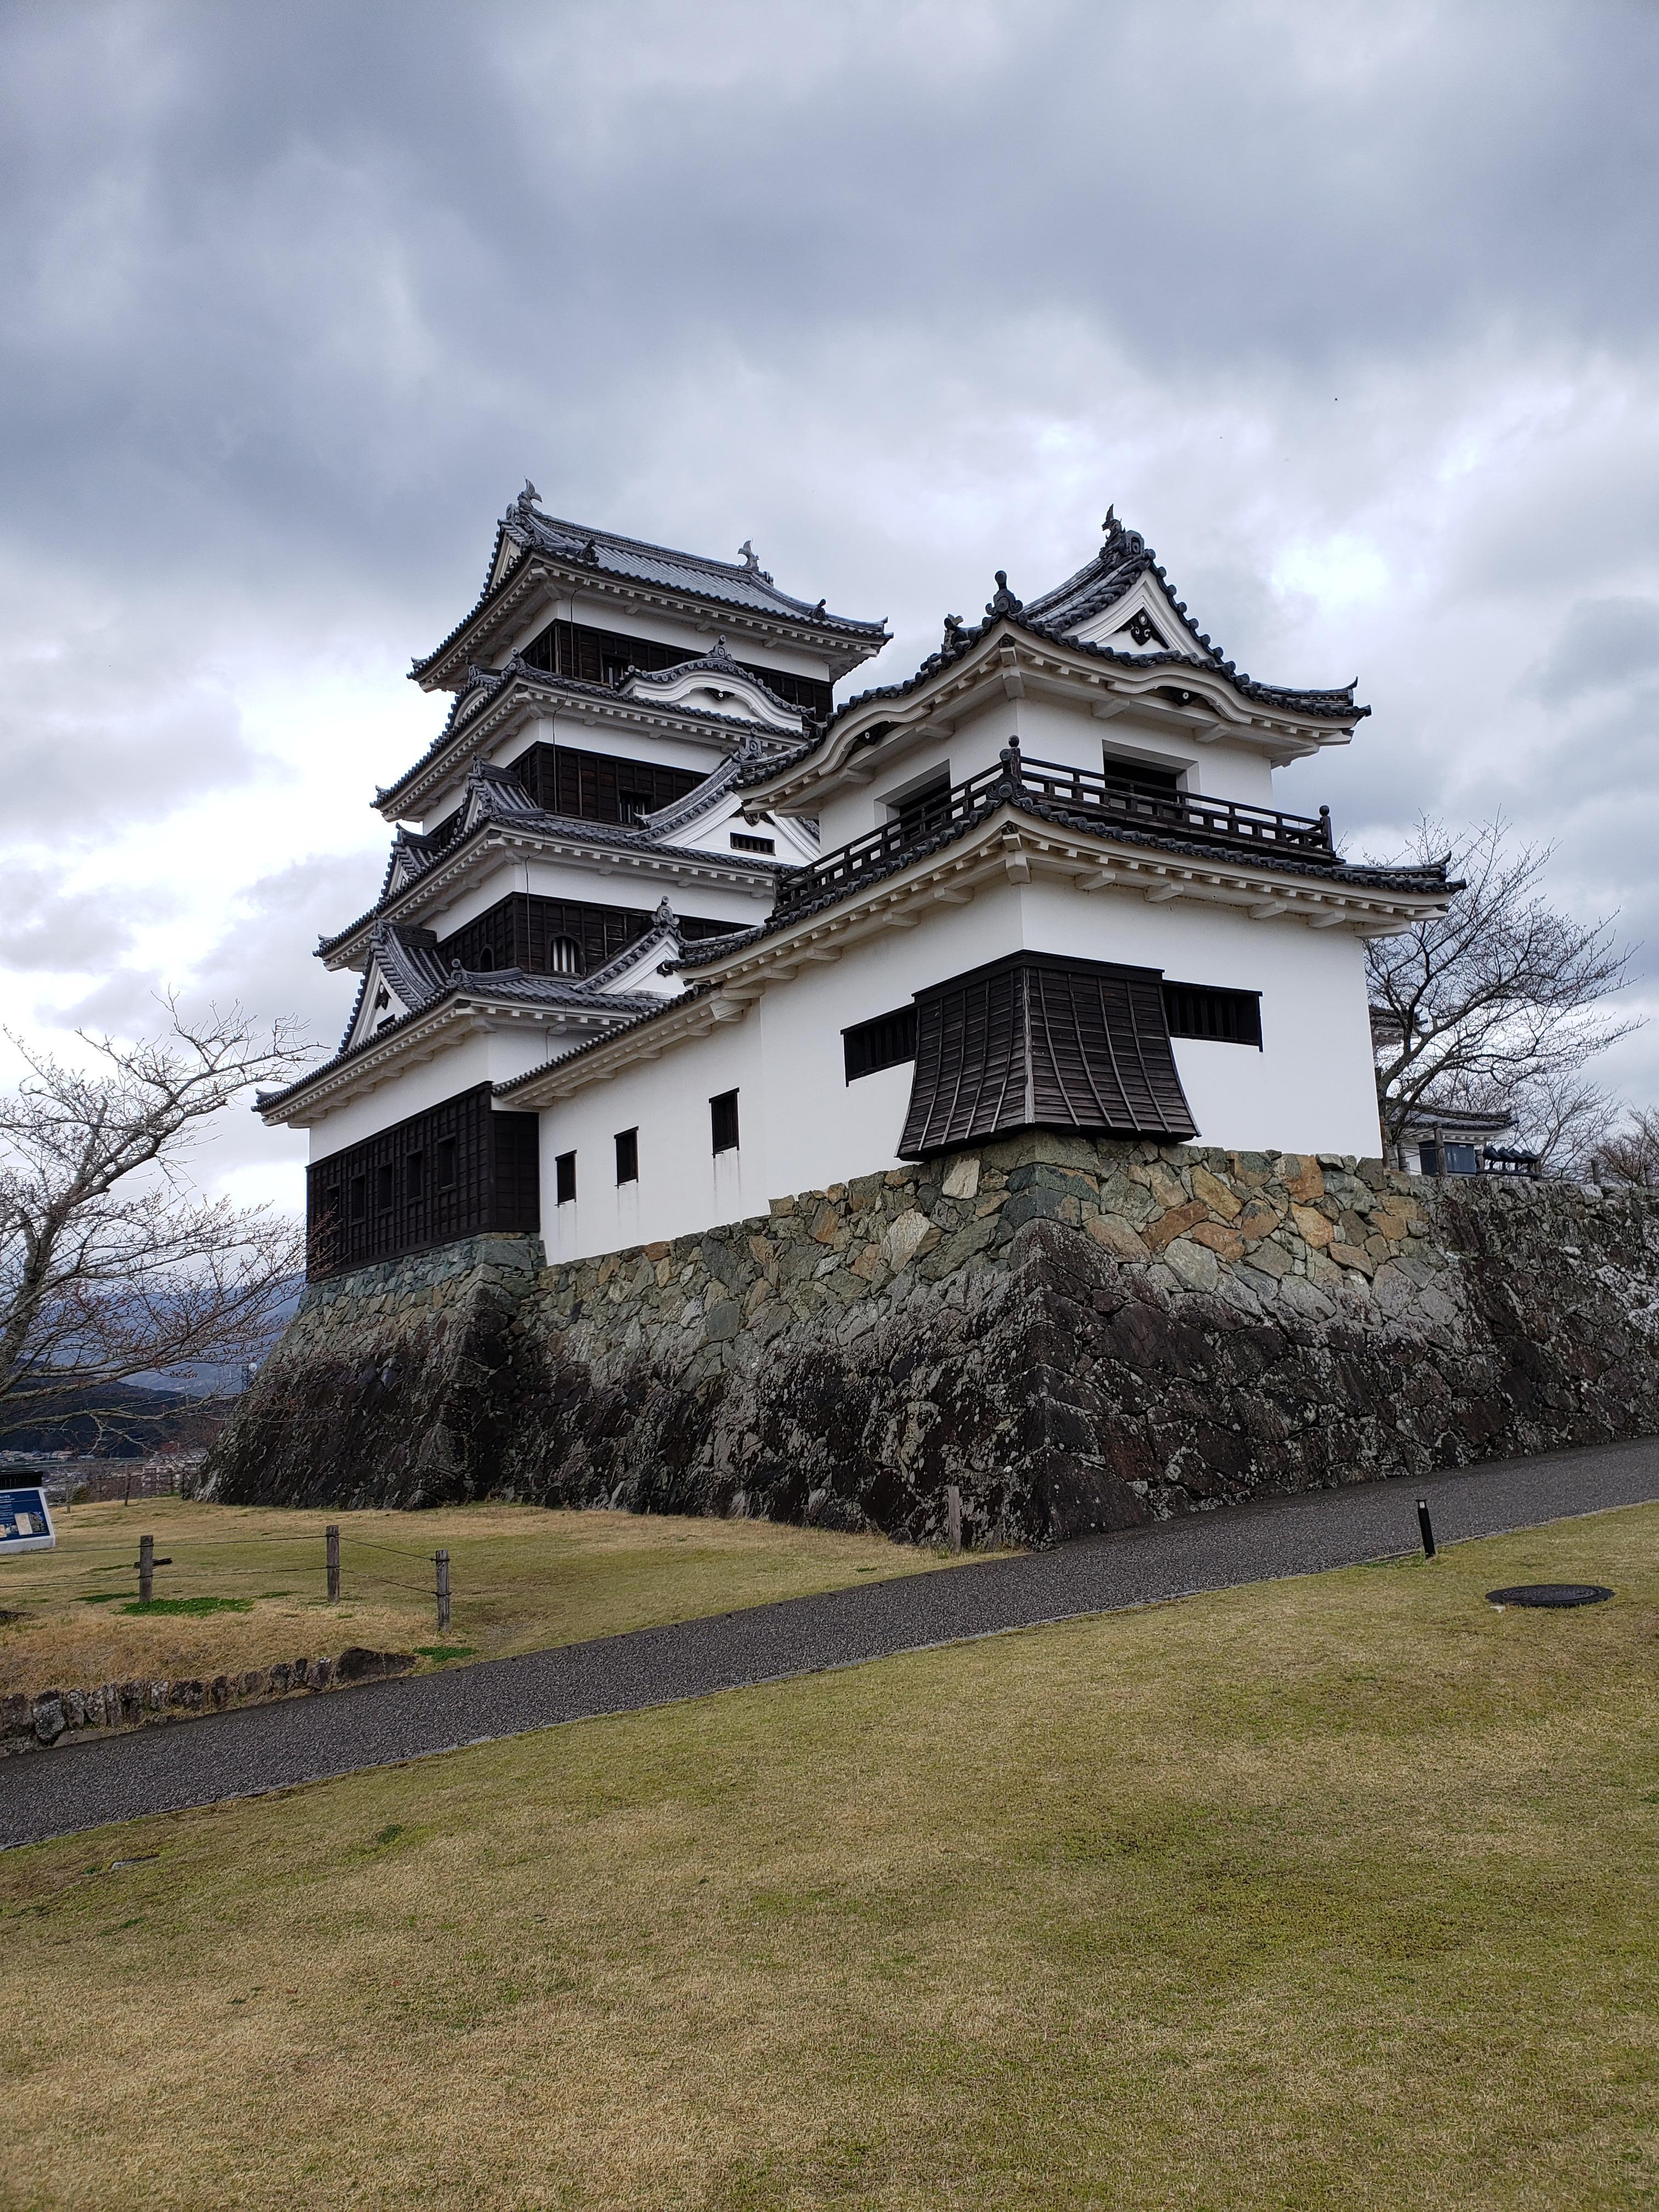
[[714, 683]]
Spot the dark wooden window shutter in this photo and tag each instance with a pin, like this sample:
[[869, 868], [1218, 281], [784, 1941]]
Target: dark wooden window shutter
[[1035, 1042]]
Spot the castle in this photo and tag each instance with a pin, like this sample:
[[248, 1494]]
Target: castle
[[665, 934]]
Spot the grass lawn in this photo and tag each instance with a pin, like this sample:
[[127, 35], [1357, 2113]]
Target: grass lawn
[[521, 1578], [1333, 1893]]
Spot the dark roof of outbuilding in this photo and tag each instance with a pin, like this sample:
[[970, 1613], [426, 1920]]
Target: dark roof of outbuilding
[[741, 583]]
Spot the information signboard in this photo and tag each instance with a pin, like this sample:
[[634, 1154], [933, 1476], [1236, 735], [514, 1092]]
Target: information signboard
[[24, 1522]]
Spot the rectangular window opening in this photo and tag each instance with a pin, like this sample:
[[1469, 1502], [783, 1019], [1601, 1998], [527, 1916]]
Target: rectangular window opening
[[886, 1041], [415, 1175], [446, 1163], [628, 1155], [1141, 775], [924, 810], [359, 1197], [385, 1186], [742, 843], [564, 1177], [723, 1119], [1195, 1009]]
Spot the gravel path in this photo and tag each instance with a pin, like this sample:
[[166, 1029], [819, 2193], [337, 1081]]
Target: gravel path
[[164, 1768]]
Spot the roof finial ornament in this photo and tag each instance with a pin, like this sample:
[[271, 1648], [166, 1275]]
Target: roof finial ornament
[[750, 558], [1112, 526], [1003, 602], [529, 496], [952, 633], [591, 552]]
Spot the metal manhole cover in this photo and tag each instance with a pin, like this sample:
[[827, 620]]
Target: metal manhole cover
[[1551, 1594]]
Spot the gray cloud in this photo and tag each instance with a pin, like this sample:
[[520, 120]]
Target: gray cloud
[[49, 930], [1602, 644], [1337, 303]]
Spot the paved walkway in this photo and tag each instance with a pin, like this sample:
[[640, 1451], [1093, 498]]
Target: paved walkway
[[162, 1768]]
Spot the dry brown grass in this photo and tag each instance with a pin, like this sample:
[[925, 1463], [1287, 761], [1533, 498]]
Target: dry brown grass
[[1340, 1892], [521, 1578]]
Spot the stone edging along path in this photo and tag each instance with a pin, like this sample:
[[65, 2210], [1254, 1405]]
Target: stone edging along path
[[36, 1723], [276, 1746]]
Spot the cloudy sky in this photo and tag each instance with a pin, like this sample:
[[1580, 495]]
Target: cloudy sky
[[1351, 310]]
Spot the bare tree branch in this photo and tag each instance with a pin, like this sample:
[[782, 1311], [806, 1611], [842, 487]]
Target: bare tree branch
[[1495, 1002], [1631, 1155], [111, 1265]]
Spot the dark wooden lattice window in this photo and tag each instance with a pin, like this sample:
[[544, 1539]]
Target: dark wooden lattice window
[[1037, 1043], [1141, 775], [600, 656], [526, 931], [723, 1121], [886, 1041], [920, 811], [628, 1155], [564, 1178], [1196, 1010], [486, 1180], [586, 787]]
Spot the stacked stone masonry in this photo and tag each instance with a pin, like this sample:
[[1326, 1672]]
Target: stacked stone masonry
[[51, 1716], [1078, 1334]]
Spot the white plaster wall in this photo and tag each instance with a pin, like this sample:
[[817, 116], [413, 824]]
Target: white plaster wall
[[1311, 1086], [682, 1186], [490, 1057], [804, 1126], [1052, 730], [639, 890]]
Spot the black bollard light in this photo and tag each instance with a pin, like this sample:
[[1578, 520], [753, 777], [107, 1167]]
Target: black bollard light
[[1427, 1526]]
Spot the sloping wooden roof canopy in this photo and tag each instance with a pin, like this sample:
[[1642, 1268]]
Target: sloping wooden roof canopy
[[1035, 1042]]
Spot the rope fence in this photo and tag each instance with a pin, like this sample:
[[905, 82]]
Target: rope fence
[[288, 1555]]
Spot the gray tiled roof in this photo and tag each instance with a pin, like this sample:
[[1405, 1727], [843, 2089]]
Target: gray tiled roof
[[492, 681], [1350, 876], [1124, 557], [742, 583], [495, 795], [416, 968], [1056, 614]]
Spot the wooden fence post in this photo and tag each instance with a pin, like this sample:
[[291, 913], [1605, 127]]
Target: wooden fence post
[[146, 1569], [442, 1563], [331, 1539], [953, 1516]]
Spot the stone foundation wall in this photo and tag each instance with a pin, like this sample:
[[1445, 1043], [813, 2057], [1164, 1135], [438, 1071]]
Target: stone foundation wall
[[1080, 1335]]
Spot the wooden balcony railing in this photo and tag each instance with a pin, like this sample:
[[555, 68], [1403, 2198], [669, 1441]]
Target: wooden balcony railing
[[1107, 802]]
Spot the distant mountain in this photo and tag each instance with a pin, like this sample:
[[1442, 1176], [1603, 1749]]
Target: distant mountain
[[117, 1420]]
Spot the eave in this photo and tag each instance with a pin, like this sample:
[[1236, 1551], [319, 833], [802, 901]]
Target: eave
[[654, 867], [1006, 847], [1008, 662], [539, 577], [525, 696], [419, 1037]]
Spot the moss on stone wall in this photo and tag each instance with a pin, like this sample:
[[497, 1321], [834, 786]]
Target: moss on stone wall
[[1080, 1335]]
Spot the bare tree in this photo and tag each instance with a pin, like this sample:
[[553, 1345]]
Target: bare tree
[[1563, 1115], [112, 1264], [1495, 1002], [1631, 1155]]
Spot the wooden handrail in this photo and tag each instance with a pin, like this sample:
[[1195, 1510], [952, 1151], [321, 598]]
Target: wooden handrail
[[1109, 800]]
